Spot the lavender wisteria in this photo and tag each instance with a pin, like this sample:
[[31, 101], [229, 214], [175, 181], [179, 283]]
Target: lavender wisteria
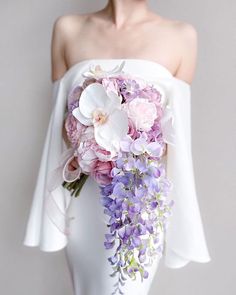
[[137, 204], [119, 127]]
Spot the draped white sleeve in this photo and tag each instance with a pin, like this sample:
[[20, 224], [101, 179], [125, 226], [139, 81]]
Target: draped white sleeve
[[42, 229], [48, 221], [185, 240]]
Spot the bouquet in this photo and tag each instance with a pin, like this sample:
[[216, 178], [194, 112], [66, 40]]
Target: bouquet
[[118, 126]]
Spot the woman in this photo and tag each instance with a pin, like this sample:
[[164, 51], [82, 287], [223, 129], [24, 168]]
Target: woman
[[123, 30]]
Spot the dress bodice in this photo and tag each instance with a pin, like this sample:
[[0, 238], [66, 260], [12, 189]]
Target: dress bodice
[[142, 67], [185, 239]]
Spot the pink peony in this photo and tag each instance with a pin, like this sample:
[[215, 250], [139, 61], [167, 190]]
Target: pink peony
[[73, 129], [101, 153], [132, 132], [86, 155], [102, 172]]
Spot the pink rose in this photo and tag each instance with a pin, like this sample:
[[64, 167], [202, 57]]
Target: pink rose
[[102, 172]]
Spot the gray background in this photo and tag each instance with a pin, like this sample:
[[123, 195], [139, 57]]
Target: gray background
[[26, 28]]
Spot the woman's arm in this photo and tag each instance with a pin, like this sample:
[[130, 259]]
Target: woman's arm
[[189, 44], [58, 62]]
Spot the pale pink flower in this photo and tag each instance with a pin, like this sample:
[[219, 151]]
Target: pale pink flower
[[86, 156], [110, 85], [142, 113], [73, 128], [89, 152], [97, 72], [102, 154]]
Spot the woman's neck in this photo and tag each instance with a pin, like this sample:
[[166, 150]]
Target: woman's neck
[[122, 12]]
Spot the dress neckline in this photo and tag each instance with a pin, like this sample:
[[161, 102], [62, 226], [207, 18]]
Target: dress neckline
[[88, 60]]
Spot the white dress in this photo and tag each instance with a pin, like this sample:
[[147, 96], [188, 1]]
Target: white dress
[[83, 217]]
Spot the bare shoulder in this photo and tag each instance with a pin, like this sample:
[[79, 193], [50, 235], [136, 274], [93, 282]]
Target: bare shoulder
[[65, 24], [188, 44], [183, 37], [63, 28], [68, 19], [184, 30], [187, 32]]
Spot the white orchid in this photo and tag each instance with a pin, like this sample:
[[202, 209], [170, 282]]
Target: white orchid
[[102, 110], [95, 71]]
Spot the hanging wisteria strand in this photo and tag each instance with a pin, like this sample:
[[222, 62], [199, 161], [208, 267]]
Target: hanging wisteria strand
[[138, 209]]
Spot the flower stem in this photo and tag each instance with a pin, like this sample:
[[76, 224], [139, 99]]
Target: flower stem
[[82, 180], [75, 186]]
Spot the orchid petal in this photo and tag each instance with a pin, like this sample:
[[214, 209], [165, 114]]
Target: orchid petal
[[93, 97], [116, 98], [109, 135], [79, 116]]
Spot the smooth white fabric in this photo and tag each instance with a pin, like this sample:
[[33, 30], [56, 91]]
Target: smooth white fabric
[[185, 240]]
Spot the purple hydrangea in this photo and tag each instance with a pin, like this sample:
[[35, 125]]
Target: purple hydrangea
[[129, 88]]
